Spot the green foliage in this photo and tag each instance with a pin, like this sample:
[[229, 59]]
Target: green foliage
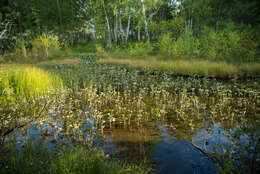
[[228, 45], [142, 49], [31, 49], [175, 27], [83, 47], [208, 41], [101, 53], [20, 48], [165, 45], [129, 50], [186, 46], [43, 45]]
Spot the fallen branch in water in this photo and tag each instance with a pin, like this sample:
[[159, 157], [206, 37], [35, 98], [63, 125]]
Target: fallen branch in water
[[20, 126], [208, 155]]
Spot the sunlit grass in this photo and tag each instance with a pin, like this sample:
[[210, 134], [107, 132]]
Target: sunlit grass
[[185, 67], [27, 81]]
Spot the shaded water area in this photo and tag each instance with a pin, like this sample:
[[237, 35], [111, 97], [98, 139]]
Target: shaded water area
[[154, 143], [172, 124]]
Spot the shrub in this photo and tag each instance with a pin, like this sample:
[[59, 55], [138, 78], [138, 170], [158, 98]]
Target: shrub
[[228, 45], [142, 49], [208, 41], [248, 45], [187, 46], [20, 48], [101, 53], [43, 45], [176, 27], [84, 46], [165, 46]]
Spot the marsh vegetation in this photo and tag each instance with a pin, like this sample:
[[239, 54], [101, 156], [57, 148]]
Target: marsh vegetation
[[133, 114], [136, 86]]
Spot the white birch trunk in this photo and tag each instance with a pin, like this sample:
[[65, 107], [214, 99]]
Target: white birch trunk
[[5, 30], [116, 28], [121, 27], [139, 33], [2, 34], [127, 29], [108, 25], [145, 21]]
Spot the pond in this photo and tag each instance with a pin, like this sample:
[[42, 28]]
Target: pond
[[172, 124], [151, 143]]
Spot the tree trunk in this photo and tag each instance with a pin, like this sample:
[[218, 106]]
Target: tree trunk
[[145, 21], [59, 11], [128, 28], [121, 27], [116, 28], [108, 26], [139, 33]]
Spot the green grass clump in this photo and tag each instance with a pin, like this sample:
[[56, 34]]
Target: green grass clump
[[36, 158], [27, 81]]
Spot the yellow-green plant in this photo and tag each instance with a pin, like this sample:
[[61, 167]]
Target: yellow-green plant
[[27, 82], [100, 51], [44, 44]]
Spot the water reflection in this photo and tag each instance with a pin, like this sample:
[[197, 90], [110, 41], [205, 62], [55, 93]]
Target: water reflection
[[152, 143], [165, 146], [167, 153]]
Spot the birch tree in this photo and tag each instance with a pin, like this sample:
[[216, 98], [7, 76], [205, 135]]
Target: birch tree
[[108, 25], [145, 21]]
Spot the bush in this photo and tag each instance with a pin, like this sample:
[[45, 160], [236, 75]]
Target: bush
[[187, 47], [43, 45], [101, 53], [30, 49], [142, 49], [208, 41], [228, 45], [165, 46], [249, 42]]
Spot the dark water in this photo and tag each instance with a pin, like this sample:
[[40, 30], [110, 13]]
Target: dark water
[[153, 143]]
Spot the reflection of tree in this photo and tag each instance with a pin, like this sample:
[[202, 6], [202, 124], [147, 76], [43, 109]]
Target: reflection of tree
[[136, 142]]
